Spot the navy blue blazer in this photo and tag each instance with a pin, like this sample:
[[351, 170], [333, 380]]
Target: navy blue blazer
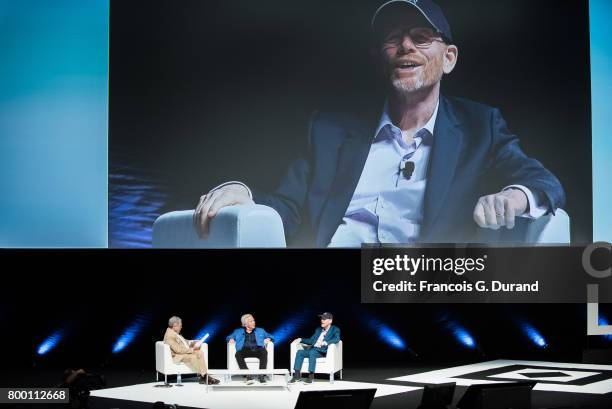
[[473, 154], [332, 337]]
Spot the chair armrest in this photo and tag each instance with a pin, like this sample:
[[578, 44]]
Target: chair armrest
[[331, 352], [231, 354], [337, 360], [547, 229], [270, 349], [296, 346], [204, 349], [334, 356], [293, 348], [550, 229], [160, 355], [234, 226]]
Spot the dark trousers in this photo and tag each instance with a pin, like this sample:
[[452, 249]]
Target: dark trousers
[[260, 353]]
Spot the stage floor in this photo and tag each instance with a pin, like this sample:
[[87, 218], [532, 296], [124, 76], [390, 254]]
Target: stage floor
[[578, 386], [551, 376], [194, 395]]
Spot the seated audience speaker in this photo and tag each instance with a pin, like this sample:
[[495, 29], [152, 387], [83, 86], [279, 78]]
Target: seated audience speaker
[[515, 395], [338, 399], [438, 396]]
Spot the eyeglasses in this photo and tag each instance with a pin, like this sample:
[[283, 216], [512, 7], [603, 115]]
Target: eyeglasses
[[422, 37]]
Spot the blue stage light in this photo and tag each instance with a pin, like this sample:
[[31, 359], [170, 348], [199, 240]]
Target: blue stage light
[[391, 337], [604, 321], [464, 337], [212, 327], [461, 334], [534, 335], [129, 334], [289, 328], [458, 331], [386, 334], [50, 342], [208, 330]]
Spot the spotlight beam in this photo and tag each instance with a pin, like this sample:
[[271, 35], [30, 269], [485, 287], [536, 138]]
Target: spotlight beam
[[50, 342]]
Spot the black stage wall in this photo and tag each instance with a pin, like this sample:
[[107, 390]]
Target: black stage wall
[[93, 296]]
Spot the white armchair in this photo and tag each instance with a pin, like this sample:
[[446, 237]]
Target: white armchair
[[547, 229], [329, 364], [252, 363], [234, 226], [261, 226], [166, 366]]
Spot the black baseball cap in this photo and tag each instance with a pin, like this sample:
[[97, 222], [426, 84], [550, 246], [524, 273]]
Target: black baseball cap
[[326, 316], [427, 8]]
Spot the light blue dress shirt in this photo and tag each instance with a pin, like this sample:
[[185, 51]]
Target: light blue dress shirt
[[386, 206]]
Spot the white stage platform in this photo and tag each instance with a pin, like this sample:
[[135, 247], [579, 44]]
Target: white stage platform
[[551, 376], [194, 395]]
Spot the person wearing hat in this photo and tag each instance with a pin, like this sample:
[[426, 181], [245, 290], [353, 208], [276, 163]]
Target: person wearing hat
[[429, 168], [315, 347]]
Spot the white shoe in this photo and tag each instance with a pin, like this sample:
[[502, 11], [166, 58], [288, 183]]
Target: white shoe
[[250, 381]]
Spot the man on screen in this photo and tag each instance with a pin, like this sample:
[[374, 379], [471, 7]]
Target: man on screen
[[431, 169], [315, 347], [187, 352], [251, 342]]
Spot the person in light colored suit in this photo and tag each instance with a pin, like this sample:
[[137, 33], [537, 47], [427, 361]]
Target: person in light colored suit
[[187, 352]]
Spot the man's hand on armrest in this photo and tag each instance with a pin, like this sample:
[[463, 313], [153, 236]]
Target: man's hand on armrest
[[227, 194], [500, 209]]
